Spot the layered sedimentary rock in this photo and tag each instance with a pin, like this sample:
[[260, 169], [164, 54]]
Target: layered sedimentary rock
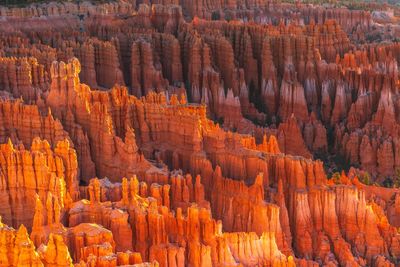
[[55, 252], [199, 133], [23, 77], [91, 244], [17, 249], [27, 174], [144, 76], [106, 64], [150, 222], [23, 123], [114, 156]]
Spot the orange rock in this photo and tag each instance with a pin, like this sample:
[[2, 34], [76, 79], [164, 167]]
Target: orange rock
[[290, 138], [207, 158], [55, 253], [35, 173], [16, 247]]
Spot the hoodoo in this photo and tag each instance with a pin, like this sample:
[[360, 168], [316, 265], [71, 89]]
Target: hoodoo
[[199, 133]]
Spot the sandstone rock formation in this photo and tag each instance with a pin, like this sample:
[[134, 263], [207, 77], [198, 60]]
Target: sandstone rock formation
[[199, 133]]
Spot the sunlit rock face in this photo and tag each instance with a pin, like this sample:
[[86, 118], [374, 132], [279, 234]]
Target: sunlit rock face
[[199, 133]]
